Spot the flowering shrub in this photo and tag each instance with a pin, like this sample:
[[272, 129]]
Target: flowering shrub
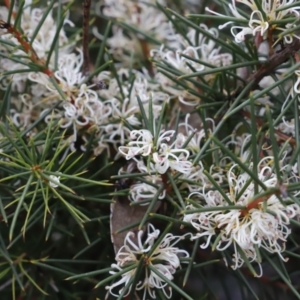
[[149, 149]]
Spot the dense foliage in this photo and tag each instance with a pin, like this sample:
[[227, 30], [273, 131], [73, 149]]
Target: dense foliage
[[149, 149]]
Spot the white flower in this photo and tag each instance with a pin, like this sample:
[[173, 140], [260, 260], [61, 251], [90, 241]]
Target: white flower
[[116, 131], [240, 35], [188, 59], [23, 115], [30, 19], [175, 91], [148, 189], [126, 277], [68, 74], [166, 156], [262, 223], [260, 22], [234, 11], [142, 144], [182, 63], [204, 222], [196, 180], [143, 191], [287, 36], [169, 157], [164, 258], [54, 181], [146, 18]]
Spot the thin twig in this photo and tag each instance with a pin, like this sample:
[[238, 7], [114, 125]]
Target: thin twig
[[274, 61], [86, 20], [26, 47]]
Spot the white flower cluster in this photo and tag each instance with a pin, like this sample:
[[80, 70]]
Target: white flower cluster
[[147, 19], [253, 219], [102, 111], [151, 65], [42, 43], [165, 259], [200, 55], [147, 189], [84, 108], [167, 153], [261, 20], [163, 154]]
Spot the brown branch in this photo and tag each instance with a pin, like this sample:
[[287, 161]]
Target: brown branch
[[17, 34], [146, 51], [26, 46], [85, 37], [275, 60]]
